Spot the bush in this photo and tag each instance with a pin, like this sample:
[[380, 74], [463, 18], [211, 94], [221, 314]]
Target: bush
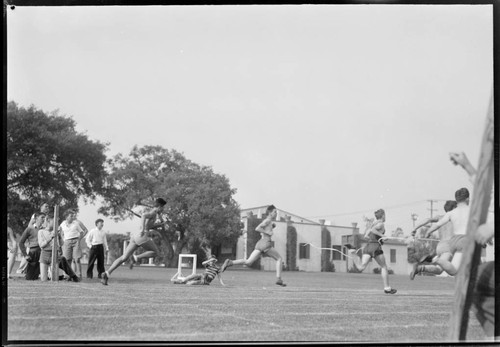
[[329, 267]]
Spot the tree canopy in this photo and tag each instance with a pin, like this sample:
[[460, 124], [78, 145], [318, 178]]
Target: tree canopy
[[200, 205], [48, 160]]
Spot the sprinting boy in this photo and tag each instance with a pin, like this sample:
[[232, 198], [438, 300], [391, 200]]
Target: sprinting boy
[[373, 249]]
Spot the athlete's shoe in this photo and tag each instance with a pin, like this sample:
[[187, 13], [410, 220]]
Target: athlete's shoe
[[227, 263], [390, 291], [104, 279], [76, 279], [280, 282], [414, 271], [133, 260]]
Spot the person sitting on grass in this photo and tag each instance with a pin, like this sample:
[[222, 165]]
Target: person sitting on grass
[[211, 270]]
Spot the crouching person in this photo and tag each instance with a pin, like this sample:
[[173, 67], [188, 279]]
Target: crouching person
[[45, 241]]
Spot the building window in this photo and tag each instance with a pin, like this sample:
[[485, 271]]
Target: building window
[[304, 251], [337, 255], [393, 255]]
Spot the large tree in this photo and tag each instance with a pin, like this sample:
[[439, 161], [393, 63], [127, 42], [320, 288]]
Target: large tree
[[48, 160], [200, 207]]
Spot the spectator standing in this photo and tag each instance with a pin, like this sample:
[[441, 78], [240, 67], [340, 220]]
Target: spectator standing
[[32, 257], [96, 240]]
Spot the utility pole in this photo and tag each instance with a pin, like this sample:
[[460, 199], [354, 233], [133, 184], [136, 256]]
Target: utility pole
[[432, 205], [414, 217]]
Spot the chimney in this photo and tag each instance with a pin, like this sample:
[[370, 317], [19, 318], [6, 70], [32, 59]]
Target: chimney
[[355, 229]]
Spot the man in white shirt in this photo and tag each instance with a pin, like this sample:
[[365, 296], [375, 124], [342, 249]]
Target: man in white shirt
[[96, 240], [72, 231], [459, 218]]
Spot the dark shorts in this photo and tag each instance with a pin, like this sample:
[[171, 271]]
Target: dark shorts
[[373, 249], [263, 245]]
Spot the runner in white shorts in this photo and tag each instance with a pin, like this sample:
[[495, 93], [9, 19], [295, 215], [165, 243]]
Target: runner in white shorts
[[141, 239], [263, 247], [443, 249]]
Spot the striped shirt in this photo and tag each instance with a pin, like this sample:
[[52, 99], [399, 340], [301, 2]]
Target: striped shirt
[[211, 270]]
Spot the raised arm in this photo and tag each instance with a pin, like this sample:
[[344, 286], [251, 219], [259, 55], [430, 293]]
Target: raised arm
[[445, 219], [462, 160], [425, 222]]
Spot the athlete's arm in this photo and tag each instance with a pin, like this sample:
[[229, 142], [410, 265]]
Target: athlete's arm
[[375, 229], [445, 219], [261, 227], [146, 217], [425, 222]]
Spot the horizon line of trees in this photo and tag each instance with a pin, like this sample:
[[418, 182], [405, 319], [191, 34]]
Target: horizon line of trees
[[49, 161]]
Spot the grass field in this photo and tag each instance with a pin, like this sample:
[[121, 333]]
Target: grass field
[[143, 305]]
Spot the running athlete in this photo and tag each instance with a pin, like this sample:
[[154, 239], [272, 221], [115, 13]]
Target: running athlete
[[459, 218], [443, 247], [373, 249], [142, 239], [263, 247]]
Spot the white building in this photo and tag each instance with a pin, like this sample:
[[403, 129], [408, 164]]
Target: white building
[[299, 241]]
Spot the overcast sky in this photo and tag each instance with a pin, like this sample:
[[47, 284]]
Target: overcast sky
[[325, 111]]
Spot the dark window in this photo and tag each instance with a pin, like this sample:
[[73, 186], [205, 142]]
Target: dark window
[[337, 255], [393, 255], [304, 251]]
